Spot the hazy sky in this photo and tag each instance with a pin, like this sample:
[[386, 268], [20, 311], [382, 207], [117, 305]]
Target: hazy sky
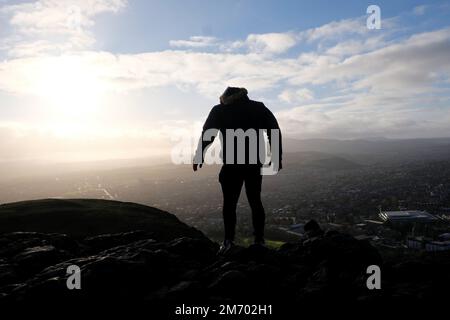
[[98, 79]]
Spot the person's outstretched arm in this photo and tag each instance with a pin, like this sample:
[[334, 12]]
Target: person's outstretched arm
[[209, 132], [272, 124]]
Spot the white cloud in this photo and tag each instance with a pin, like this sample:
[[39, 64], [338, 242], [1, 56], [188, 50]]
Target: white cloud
[[272, 43], [46, 26], [407, 65], [363, 116], [195, 42], [336, 29], [371, 84], [208, 73], [405, 68], [265, 43], [356, 46], [296, 96], [394, 90], [279, 42]]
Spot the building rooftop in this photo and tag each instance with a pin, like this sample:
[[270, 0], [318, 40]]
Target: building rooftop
[[407, 216]]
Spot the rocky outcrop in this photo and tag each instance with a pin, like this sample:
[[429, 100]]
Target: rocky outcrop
[[91, 217], [143, 268], [131, 268]]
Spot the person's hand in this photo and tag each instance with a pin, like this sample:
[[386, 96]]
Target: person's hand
[[196, 165], [280, 165]]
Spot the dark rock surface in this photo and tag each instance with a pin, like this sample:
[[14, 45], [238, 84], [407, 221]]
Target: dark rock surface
[[162, 274], [91, 217], [136, 268]]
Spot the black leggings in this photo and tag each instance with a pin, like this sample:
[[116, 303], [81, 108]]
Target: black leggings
[[231, 178]]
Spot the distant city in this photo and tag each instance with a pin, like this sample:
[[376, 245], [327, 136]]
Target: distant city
[[344, 191]]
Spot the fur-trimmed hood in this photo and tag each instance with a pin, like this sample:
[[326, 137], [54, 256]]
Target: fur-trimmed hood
[[233, 94]]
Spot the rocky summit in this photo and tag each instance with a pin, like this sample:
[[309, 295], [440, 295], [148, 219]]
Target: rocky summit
[[166, 274]]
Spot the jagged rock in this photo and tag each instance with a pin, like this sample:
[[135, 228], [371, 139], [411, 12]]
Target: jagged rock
[[106, 241], [183, 290], [14, 243], [7, 274], [231, 284], [145, 268], [91, 217], [197, 249], [35, 259]]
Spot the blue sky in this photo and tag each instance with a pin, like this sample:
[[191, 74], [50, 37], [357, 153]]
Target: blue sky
[[150, 25], [91, 77]]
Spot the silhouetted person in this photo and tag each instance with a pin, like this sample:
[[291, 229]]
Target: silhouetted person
[[237, 113]]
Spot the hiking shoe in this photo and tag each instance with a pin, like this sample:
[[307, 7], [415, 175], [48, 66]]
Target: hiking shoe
[[225, 247]]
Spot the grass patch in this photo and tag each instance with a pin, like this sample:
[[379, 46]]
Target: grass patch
[[247, 241]]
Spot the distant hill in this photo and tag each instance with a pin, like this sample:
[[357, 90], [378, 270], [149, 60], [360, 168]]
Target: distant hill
[[319, 160], [334, 163], [374, 149], [90, 217], [363, 145]]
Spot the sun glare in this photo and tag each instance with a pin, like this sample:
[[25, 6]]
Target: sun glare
[[72, 91]]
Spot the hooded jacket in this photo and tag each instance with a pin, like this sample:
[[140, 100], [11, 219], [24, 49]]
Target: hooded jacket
[[236, 111]]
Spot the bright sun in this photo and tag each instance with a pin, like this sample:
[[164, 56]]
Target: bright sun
[[72, 90]]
